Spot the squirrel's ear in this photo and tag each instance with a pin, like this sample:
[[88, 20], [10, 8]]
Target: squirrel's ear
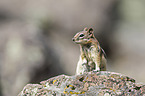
[[85, 29], [90, 30]]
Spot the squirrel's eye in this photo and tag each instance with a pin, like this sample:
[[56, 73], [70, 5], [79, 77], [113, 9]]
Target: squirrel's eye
[[81, 35]]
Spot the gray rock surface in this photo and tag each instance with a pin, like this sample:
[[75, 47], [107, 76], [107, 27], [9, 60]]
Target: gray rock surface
[[101, 83]]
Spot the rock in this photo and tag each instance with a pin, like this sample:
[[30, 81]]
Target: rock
[[88, 84]]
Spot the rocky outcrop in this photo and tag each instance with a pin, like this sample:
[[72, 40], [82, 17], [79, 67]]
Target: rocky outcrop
[[88, 84]]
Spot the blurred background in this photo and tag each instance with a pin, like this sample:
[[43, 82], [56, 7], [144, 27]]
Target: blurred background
[[36, 44]]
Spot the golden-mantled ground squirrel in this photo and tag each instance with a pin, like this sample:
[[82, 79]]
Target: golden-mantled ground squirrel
[[92, 56]]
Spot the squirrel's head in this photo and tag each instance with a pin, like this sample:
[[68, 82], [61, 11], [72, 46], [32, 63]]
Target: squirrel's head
[[84, 37]]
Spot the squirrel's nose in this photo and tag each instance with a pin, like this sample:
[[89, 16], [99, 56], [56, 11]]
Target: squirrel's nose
[[73, 39]]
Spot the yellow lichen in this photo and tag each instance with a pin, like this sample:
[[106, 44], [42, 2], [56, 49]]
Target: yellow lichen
[[112, 76], [75, 92], [121, 78], [70, 85], [54, 81], [82, 92], [111, 89], [65, 92], [71, 91]]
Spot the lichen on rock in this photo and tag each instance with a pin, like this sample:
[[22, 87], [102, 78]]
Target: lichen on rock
[[102, 83]]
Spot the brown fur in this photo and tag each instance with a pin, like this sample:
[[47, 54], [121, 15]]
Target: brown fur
[[92, 55]]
